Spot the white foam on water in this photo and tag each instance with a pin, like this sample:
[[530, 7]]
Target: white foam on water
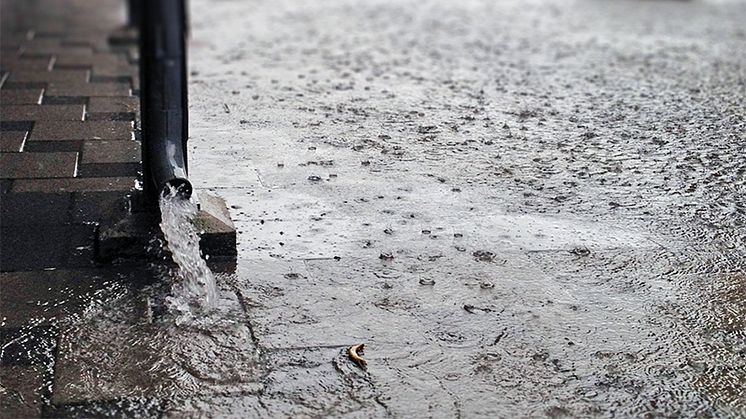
[[196, 286]]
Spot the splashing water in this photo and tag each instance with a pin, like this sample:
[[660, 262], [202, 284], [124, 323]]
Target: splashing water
[[197, 286]]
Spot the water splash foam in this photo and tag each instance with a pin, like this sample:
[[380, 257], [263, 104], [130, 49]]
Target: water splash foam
[[196, 288]]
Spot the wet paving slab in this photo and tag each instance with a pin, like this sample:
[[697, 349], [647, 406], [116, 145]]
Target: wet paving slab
[[126, 351], [499, 338]]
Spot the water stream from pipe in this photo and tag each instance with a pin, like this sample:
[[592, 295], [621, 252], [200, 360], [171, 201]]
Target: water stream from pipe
[[196, 286]]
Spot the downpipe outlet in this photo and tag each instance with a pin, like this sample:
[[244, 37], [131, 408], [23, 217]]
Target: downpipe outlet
[[167, 160], [163, 98]]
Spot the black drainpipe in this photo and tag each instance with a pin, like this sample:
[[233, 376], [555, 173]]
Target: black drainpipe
[[163, 96]]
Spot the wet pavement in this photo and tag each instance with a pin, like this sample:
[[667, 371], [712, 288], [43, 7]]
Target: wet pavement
[[522, 209]]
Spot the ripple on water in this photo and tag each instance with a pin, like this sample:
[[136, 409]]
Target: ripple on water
[[119, 351]]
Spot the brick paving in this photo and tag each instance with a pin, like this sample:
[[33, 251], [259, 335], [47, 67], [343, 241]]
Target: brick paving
[[69, 158]]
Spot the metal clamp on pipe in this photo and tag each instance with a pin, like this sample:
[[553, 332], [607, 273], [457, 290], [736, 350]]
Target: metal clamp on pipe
[[163, 97]]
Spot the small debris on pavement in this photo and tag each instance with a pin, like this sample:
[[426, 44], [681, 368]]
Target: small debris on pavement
[[355, 353]]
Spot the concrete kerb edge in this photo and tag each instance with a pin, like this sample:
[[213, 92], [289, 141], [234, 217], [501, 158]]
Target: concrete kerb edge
[[131, 236]]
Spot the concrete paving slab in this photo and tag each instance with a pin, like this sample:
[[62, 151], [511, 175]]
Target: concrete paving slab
[[463, 325], [20, 397], [45, 297], [42, 113], [30, 345], [12, 141], [75, 76], [90, 207], [111, 152], [339, 387], [88, 89], [97, 365], [15, 63], [35, 209], [38, 165], [53, 146], [108, 170], [44, 246], [21, 96], [123, 104], [98, 184], [246, 405], [81, 130]]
